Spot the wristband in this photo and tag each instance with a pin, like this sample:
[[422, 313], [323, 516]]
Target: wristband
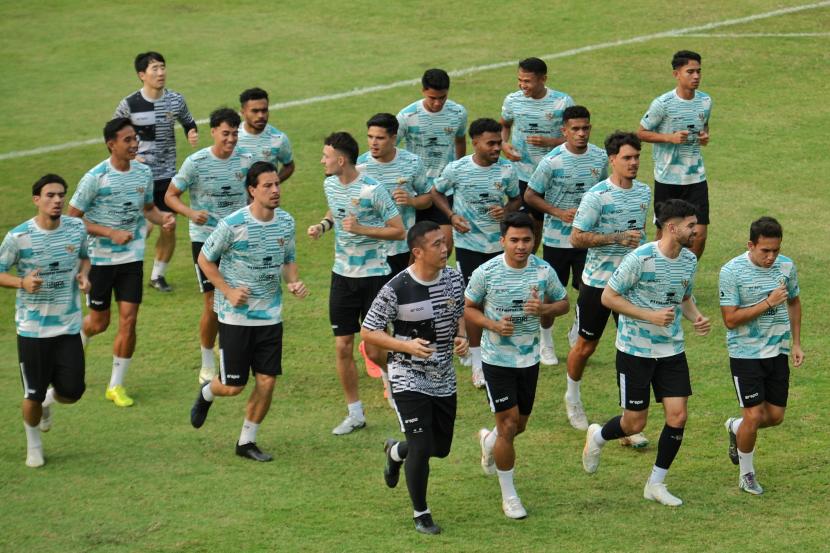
[[768, 303], [326, 224]]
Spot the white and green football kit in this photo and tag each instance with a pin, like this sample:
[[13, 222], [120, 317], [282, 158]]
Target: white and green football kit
[[431, 136], [270, 145]]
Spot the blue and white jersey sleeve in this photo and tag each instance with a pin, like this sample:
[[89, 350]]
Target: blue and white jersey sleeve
[[270, 145]]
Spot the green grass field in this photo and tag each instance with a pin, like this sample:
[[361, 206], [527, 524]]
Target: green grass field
[[141, 479]]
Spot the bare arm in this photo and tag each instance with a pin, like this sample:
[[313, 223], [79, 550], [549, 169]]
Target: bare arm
[[794, 310], [167, 221], [460, 147], [119, 237], [236, 296], [506, 147], [286, 171], [392, 229], [325, 224], [173, 200], [583, 239], [689, 309], [474, 314], [734, 316], [678, 137], [616, 302], [291, 275]]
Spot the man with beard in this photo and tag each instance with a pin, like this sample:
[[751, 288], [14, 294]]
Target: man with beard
[[262, 140]]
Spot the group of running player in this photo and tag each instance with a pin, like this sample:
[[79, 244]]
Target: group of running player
[[397, 214]]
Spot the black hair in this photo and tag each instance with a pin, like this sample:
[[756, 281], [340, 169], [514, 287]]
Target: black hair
[[49, 178], [114, 125], [618, 139], [415, 235], [673, 208], [384, 120], [535, 66], [767, 227], [483, 125], [145, 58], [515, 219], [575, 112], [345, 143], [683, 57], [436, 79], [258, 168], [224, 115], [252, 94]]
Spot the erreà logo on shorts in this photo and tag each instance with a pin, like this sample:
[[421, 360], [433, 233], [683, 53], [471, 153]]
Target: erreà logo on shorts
[[636, 402], [410, 421], [501, 399]]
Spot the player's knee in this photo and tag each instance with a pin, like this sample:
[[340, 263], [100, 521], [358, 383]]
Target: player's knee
[[234, 390], [677, 419], [265, 383], [508, 428], [585, 348], [634, 422], [344, 348], [97, 322], [754, 417], [775, 418]]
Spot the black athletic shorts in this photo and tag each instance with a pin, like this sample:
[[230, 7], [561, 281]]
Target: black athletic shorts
[[760, 380], [667, 376], [525, 207], [696, 194], [591, 315], [159, 190], [204, 283], [397, 263], [567, 262], [125, 280], [58, 361], [419, 413], [469, 260], [434, 214], [244, 349], [350, 300], [508, 387]]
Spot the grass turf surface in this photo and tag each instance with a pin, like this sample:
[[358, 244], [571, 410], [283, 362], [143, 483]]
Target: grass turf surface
[[141, 479]]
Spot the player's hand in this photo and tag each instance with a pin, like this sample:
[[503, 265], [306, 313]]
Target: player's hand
[[315, 231], [461, 346], [679, 137], [83, 282], [496, 212], [401, 197], [199, 217], [567, 215], [238, 296], [629, 238], [418, 347], [777, 296], [702, 325], [510, 152], [193, 137], [32, 282], [537, 140], [120, 237], [533, 306], [504, 326], [662, 317], [350, 224], [703, 138], [459, 223], [798, 355], [169, 221], [297, 288]]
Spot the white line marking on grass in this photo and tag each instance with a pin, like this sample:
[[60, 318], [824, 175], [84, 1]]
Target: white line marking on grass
[[468, 71], [755, 35]]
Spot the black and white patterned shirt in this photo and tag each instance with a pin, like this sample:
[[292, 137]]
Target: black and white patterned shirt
[[428, 310], [153, 121]]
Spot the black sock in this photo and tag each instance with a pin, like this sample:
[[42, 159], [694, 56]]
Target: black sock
[[668, 446], [613, 429]]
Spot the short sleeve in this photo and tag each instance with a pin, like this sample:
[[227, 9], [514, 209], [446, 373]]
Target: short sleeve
[[419, 179], [588, 212], [728, 288], [477, 287], [286, 156], [384, 204], [626, 275], [291, 242], [9, 253], [541, 177], [446, 180], [187, 175], [383, 311], [219, 241], [461, 131], [654, 116], [85, 193], [553, 287], [512, 187], [507, 110], [793, 289]]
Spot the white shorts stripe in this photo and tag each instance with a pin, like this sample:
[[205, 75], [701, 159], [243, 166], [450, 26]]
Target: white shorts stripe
[[738, 391], [222, 365], [622, 391], [489, 397], [398, 414], [25, 382], [199, 278]]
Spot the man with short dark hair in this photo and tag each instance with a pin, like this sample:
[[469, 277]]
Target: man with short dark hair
[[50, 254], [532, 118], [555, 189], [761, 308], [650, 289], [485, 188], [262, 140], [424, 304], [507, 297], [677, 123], [114, 198], [152, 111], [257, 246], [215, 180], [365, 220]]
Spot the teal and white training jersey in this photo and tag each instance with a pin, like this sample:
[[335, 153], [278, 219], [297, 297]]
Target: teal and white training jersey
[[744, 284], [431, 136], [562, 178], [502, 290], [650, 280], [55, 309], [116, 200], [532, 117], [405, 171], [215, 185], [606, 208], [356, 255], [669, 113], [476, 189], [270, 145], [253, 253]]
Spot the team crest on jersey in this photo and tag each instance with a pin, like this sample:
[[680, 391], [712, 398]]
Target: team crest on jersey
[[169, 116], [355, 201], [498, 185], [140, 189], [281, 241], [643, 206], [594, 172], [449, 130], [549, 116], [402, 181], [70, 248], [702, 117], [266, 152], [450, 303], [685, 283], [238, 175]]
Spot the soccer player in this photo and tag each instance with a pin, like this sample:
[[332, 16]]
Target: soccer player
[[265, 142], [610, 222], [152, 111], [215, 179], [257, 248], [114, 198], [759, 301], [434, 129], [555, 189], [507, 296], [650, 289], [49, 252], [485, 189], [365, 219], [425, 305], [677, 123], [532, 117]]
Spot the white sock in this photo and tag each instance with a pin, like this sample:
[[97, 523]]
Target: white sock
[[119, 370], [490, 439], [84, 339], [736, 424], [573, 394], [50, 397], [393, 453], [207, 393], [745, 461], [598, 439], [356, 410], [506, 483], [32, 436], [658, 475], [416, 514], [475, 355], [207, 358], [546, 336], [248, 435], [159, 269]]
